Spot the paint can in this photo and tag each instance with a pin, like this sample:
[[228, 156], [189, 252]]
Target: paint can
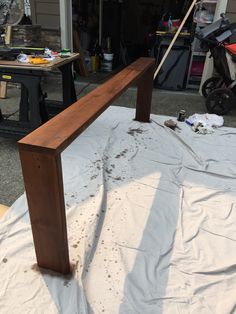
[[94, 63], [106, 65], [181, 116]]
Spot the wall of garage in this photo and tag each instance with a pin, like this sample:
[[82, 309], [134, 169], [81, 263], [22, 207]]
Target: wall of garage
[[46, 13]]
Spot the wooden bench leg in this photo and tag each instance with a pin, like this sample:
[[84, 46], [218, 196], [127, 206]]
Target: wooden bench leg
[[144, 96], [44, 189]]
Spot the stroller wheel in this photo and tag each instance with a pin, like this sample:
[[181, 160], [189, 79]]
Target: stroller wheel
[[211, 84], [220, 101]]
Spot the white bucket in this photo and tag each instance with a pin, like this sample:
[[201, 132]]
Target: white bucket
[[106, 66], [108, 56]]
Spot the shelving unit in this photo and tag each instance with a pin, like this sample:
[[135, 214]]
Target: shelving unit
[[203, 16]]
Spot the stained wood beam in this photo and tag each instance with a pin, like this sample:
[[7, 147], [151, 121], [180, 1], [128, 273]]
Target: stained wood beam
[[41, 160], [54, 138]]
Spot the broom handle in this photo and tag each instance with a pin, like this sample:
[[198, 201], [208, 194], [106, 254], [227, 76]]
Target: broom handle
[[174, 39]]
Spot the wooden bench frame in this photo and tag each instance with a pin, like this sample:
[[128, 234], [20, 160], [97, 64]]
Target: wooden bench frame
[[40, 154]]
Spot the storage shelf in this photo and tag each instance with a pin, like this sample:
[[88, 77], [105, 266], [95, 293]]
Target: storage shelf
[[195, 78], [192, 86], [202, 23], [194, 81], [209, 1], [199, 53]]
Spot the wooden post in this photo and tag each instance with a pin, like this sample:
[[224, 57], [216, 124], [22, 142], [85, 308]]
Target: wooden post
[[8, 35], [44, 189], [3, 89], [144, 96], [80, 62]]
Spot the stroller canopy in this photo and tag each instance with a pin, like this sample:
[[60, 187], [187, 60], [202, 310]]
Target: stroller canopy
[[231, 48]]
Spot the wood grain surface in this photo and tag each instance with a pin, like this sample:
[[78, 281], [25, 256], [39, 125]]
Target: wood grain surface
[[41, 160], [53, 138]]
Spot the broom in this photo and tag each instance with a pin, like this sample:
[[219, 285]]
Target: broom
[[174, 39]]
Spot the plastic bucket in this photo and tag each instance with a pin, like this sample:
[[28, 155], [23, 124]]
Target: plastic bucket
[[108, 56], [106, 66], [94, 63]]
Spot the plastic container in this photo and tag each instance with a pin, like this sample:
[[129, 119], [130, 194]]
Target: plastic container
[[95, 63], [108, 56], [106, 66]]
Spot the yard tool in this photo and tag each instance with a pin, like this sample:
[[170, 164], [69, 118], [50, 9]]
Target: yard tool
[[174, 39]]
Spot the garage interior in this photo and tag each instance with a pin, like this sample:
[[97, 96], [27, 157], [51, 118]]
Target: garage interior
[[128, 31], [130, 23], [113, 33]]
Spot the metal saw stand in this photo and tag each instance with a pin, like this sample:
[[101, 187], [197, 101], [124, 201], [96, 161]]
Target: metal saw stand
[[33, 109]]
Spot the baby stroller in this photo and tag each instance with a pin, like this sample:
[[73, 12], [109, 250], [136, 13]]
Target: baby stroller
[[220, 91]]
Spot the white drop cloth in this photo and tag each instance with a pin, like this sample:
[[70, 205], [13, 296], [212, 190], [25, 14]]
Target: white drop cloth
[[151, 225]]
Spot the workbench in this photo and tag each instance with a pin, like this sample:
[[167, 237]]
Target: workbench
[[33, 109]]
